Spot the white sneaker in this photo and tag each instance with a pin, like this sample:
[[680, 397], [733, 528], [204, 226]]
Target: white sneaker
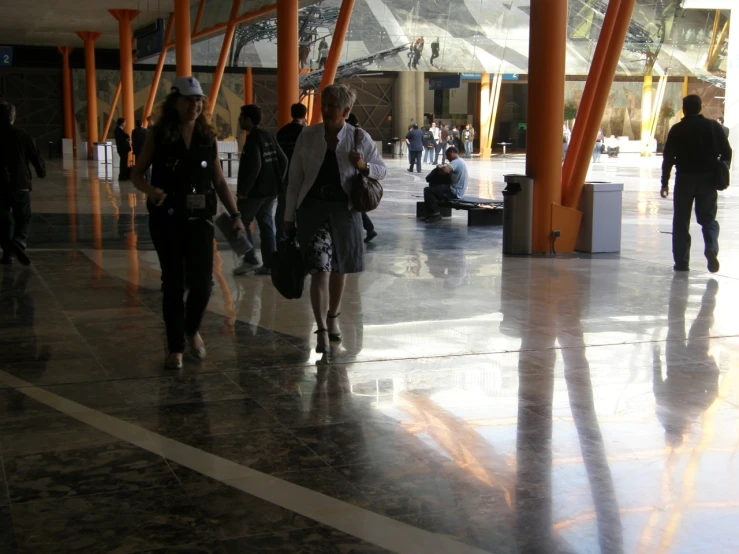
[[245, 267]]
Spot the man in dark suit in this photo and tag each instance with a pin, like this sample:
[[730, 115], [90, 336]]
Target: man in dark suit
[[123, 144]]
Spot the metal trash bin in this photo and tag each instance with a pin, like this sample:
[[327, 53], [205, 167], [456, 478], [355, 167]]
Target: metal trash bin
[[396, 147], [600, 204], [518, 207]]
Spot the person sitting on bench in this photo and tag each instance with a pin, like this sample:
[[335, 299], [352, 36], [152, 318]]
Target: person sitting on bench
[[435, 193]]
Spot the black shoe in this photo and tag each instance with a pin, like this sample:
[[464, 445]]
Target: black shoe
[[713, 265], [409, 170], [20, 253], [681, 267], [370, 235], [433, 218]]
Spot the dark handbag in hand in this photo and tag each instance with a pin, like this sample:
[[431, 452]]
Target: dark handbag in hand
[[722, 173], [438, 177], [366, 192], [288, 274]]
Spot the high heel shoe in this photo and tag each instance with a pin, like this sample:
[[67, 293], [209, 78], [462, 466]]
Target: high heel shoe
[[334, 337], [322, 345]]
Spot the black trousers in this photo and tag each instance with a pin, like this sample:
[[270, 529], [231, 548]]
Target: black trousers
[[414, 157], [367, 223], [435, 193], [124, 172], [15, 219], [185, 251]]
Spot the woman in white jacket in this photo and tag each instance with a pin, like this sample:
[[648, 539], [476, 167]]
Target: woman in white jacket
[[329, 231]]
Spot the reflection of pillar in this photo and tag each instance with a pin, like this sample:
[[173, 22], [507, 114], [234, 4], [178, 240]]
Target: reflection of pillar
[[97, 222], [420, 82], [546, 98], [91, 86], [67, 94], [646, 114], [183, 44], [248, 87], [731, 103], [404, 103], [124, 18], [287, 59], [132, 251], [71, 176]]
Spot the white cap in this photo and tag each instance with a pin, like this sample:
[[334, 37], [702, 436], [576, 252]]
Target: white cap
[[187, 86]]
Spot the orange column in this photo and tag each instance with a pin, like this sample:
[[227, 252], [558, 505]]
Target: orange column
[[223, 58], [91, 85], [547, 52], [600, 98], [125, 42], [183, 42], [334, 53], [287, 59], [198, 19], [586, 103], [158, 72], [248, 87], [111, 113], [67, 94]]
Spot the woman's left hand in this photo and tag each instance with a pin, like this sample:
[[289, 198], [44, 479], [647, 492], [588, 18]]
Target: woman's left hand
[[356, 159]]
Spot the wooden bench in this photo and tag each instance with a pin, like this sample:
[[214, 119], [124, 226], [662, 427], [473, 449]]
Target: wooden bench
[[480, 211]]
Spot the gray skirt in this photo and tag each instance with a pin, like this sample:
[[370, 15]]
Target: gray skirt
[[345, 228]]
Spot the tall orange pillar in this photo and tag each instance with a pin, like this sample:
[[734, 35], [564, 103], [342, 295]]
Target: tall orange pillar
[[586, 103], [91, 86], [183, 40], [67, 96], [248, 87], [125, 43], [546, 98], [158, 72], [334, 52], [600, 98], [223, 58], [287, 59]]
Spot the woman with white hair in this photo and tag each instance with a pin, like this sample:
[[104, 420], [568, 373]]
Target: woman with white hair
[[326, 158]]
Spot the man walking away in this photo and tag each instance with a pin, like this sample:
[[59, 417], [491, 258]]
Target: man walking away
[[436, 193], [434, 51], [694, 146], [436, 132], [262, 170], [468, 136], [286, 138], [414, 140], [428, 146], [17, 151], [123, 145]]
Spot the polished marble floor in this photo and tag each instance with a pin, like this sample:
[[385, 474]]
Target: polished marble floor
[[478, 403]]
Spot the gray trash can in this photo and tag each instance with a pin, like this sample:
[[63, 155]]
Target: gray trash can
[[518, 207]]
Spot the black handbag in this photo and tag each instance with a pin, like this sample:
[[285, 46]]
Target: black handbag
[[366, 191], [288, 274], [722, 173], [437, 177]]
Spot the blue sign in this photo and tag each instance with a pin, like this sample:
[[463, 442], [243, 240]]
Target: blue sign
[[510, 76], [446, 82], [150, 40], [471, 76], [6, 56]]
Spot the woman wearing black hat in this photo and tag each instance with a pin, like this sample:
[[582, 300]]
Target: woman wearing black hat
[[182, 202]]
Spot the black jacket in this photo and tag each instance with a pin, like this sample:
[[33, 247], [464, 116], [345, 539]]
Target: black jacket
[[262, 167], [138, 138], [287, 136], [694, 146], [122, 141], [17, 151]]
